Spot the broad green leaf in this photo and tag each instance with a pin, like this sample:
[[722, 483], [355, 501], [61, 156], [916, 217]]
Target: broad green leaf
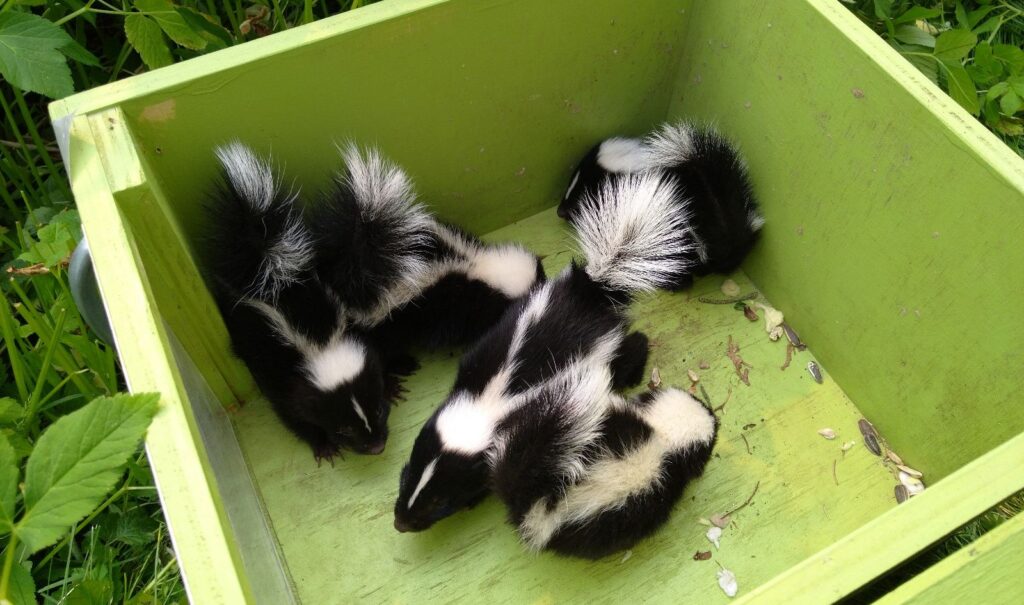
[[55, 240], [8, 485], [961, 16], [207, 26], [77, 461], [883, 9], [975, 16], [1011, 56], [22, 588], [954, 45], [145, 36], [917, 12], [173, 24], [10, 410], [30, 57], [961, 87], [22, 448], [92, 591], [74, 50], [926, 65], [914, 35], [1016, 84], [989, 26], [1010, 103], [998, 89]]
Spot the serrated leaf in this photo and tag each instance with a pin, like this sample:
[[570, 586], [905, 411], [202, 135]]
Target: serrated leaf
[[55, 241], [8, 485], [133, 529], [961, 87], [173, 24], [146, 37], [1010, 103], [1011, 56], [954, 45], [29, 55], [22, 448], [961, 16], [22, 588], [77, 461], [913, 35], [917, 12], [207, 26]]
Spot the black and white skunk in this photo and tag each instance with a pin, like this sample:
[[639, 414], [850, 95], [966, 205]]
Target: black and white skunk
[[401, 273], [714, 186], [587, 476], [325, 381], [633, 239]]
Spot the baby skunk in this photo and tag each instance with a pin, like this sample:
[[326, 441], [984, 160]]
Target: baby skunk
[[325, 381], [587, 477], [402, 274], [714, 184], [633, 239]]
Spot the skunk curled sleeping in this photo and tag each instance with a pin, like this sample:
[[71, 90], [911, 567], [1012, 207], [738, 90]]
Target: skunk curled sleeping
[[324, 380], [634, 238], [586, 473], [322, 306], [714, 186]]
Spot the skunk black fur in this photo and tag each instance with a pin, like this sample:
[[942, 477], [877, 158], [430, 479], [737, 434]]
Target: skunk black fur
[[715, 188], [572, 329]]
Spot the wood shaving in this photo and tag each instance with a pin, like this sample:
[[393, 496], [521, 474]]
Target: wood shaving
[[694, 377], [891, 455], [655, 382], [912, 472], [827, 433]]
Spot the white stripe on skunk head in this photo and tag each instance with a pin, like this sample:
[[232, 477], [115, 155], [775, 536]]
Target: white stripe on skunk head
[[572, 185], [336, 364], [251, 176], [362, 415], [623, 155], [670, 145], [633, 235], [466, 426], [428, 472], [508, 269]]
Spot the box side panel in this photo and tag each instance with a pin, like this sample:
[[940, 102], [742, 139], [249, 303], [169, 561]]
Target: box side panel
[[488, 104], [893, 219], [202, 536], [986, 571]]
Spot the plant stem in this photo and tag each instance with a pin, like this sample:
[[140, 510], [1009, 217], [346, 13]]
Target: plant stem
[[6, 326], [51, 346], [70, 16], [5, 579]]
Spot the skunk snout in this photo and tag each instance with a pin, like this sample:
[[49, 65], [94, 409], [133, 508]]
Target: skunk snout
[[375, 448], [563, 211], [402, 526]]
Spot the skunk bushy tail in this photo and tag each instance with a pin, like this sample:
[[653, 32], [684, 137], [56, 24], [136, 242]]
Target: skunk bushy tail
[[372, 236], [713, 177], [258, 244], [635, 234]]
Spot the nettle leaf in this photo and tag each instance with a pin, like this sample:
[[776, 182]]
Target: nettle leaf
[[961, 87], [911, 34], [1011, 56], [146, 37], [173, 24], [30, 56], [77, 461], [954, 45], [55, 240], [8, 486]]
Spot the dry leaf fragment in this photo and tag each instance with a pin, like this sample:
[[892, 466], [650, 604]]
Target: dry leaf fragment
[[704, 365], [714, 535], [702, 555], [720, 520], [734, 355], [910, 471], [727, 582], [827, 433], [694, 377], [730, 288], [913, 484], [655, 379], [749, 313]]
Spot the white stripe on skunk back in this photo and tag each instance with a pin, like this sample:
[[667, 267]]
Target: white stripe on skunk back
[[623, 155], [670, 145], [633, 235], [679, 422]]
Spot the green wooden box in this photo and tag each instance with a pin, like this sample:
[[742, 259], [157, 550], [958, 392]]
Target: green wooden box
[[892, 245]]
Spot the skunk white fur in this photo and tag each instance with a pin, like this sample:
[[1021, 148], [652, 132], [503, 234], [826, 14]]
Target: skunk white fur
[[322, 306], [587, 474], [572, 330], [714, 185]]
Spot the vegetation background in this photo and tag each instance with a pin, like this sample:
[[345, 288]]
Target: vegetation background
[[80, 519]]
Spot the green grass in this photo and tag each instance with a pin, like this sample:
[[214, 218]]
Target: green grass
[[51, 363]]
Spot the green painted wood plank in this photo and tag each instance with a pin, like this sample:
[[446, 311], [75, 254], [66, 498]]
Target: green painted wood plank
[[346, 511], [208, 556], [986, 571], [893, 218]]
